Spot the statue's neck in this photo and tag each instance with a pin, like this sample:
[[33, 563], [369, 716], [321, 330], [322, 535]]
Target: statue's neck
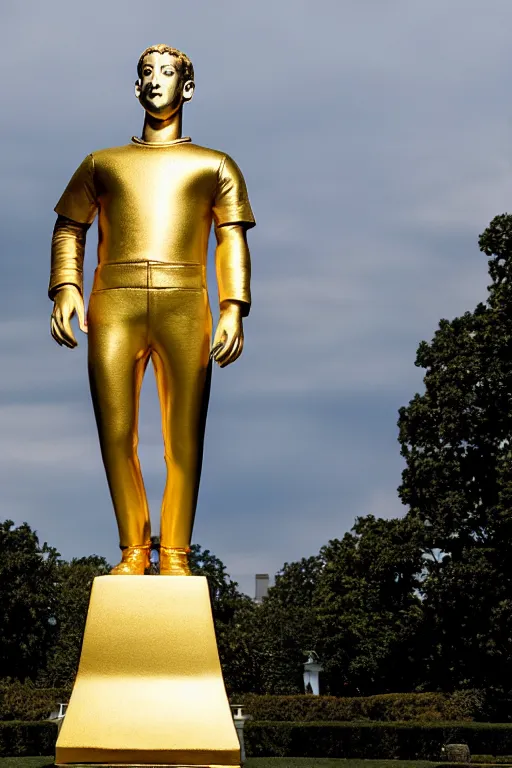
[[162, 131]]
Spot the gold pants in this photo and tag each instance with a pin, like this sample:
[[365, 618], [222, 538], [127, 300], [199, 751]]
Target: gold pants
[[138, 311]]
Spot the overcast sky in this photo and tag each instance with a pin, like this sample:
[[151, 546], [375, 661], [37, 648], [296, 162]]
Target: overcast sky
[[374, 136]]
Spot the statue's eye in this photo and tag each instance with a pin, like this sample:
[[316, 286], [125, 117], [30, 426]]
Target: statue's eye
[[146, 72], [168, 72]]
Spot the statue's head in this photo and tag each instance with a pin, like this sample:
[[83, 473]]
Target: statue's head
[[165, 82]]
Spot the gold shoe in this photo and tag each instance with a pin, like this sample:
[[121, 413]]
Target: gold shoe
[[174, 561], [134, 561]]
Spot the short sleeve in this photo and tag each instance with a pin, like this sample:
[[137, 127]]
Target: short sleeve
[[78, 201], [231, 205]]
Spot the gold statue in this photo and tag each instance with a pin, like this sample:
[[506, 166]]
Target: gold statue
[[156, 199]]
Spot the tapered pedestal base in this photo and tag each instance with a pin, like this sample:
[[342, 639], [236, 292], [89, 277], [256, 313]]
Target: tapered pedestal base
[[149, 688]]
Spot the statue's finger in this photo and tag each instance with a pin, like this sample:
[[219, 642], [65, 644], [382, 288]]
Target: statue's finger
[[233, 354], [54, 332], [66, 332], [58, 335], [226, 350], [240, 349], [80, 313], [215, 349]]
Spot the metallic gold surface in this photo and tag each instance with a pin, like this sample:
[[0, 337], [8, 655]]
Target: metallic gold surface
[[174, 562], [127, 328], [134, 562], [155, 200], [149, 687], [156, 203]]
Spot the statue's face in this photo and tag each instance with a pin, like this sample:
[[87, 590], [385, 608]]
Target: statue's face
[[161, 90]]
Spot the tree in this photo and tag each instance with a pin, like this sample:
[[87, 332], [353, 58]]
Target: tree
[[73, 586], [369, 611], [288, 626], [28, 573], [456, 439], [234, 615]]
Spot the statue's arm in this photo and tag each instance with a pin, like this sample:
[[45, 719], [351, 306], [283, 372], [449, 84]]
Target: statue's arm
[[233, 267], [66, 279]]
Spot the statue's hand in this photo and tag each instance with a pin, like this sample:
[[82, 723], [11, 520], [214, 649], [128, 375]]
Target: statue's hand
[[229, 336], [68, 302]]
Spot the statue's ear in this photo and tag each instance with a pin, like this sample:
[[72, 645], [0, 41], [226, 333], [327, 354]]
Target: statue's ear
[[137, 89], [188, 90]]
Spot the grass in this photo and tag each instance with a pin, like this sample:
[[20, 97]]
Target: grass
[[25, 762], [326, 762], [268, 762]]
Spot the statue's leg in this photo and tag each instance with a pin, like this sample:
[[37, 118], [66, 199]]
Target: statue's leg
[[118, 355], [180, 322]]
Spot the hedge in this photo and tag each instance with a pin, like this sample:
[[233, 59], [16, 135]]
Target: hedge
[[21, 739], [384, 741], [390, 707], [22, 701]]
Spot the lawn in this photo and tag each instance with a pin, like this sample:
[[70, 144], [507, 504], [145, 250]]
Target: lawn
[[25, 762], [325, 762]]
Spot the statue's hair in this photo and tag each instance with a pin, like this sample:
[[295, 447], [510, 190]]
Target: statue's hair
[[183, 61]]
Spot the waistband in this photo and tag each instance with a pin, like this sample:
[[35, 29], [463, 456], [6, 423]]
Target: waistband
[[149, 274]]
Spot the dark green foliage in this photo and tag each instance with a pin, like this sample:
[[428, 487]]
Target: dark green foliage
[[27, 601], [456, 439], [401, 741], [43, 606], [74, 582], [459, 706], [356, 605], [23, 701], [236, 623], [368, 610], [20, 739], [223, 590], [288, 626]]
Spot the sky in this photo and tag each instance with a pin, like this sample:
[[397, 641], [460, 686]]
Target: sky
[[374, 137]]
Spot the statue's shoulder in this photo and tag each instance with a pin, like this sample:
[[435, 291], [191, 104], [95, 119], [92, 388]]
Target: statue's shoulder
[[205, 154], [107, 153]]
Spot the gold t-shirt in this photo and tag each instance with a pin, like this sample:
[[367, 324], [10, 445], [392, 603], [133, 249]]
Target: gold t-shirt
[[157, 203]]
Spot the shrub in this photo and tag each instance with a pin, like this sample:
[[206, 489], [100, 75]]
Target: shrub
[[19, 739], [459, 706], [384, 741], [464, 705], [22, 701]]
